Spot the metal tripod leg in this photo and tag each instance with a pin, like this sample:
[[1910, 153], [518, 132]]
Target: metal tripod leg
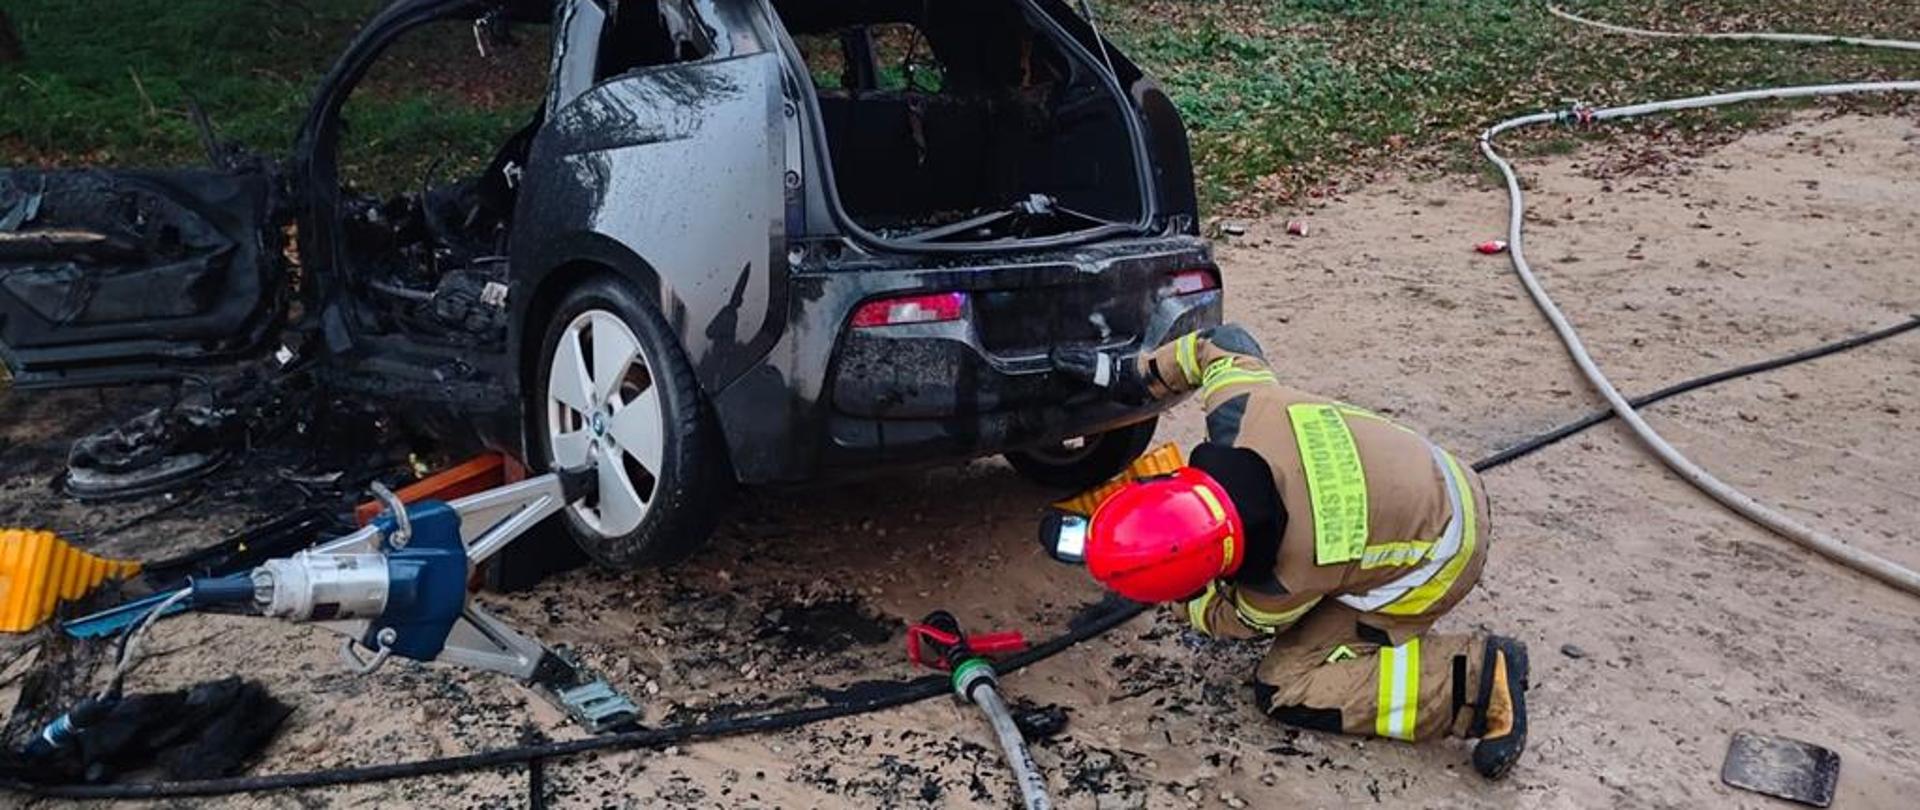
[[481, 641]]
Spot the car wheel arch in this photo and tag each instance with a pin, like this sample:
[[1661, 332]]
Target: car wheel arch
[[546, 290], [583, 257]]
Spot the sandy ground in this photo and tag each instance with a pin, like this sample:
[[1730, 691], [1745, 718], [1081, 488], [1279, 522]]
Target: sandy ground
[[1659, 623]]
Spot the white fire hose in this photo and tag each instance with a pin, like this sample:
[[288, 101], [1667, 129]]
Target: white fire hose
[[1858, 559]]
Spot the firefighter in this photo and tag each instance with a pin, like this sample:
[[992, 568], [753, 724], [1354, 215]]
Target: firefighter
[[1332, 531]]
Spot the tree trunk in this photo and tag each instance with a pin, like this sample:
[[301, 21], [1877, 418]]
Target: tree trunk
[[9, 41]]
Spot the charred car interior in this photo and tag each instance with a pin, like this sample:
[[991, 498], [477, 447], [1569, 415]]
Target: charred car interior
[[693, 244], [435, 257], [430, 242]]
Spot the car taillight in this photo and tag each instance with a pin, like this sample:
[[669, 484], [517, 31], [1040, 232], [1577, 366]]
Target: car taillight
[[1188, 282], [932, 308]]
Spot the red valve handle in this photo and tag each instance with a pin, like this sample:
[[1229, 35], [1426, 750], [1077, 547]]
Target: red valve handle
[[939, 641], [1005, 643], [929, 646]]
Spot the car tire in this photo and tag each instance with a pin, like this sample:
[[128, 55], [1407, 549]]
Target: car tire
[[1095, 461], [612, 385]]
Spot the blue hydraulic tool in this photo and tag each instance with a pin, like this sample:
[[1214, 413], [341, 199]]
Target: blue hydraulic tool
[[398, 587]]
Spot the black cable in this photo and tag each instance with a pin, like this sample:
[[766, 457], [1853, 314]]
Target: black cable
[[871, 700], [86, 535], [1554, 436], [243, 549]]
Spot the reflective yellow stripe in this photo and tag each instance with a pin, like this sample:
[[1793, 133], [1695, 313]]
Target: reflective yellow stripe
[[1383, 691], [1341, 653], [1219, 514], [1197, 610], [1269, 622], [1216, 368], [1413, 688], [1397, 698], [1222, 373], [1411, 552], [1336, 483], [1419, 599], [1215, 382], [1213, 504], [1186, 350]]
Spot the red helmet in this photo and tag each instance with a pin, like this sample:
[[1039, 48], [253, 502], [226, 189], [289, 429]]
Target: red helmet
[[1165, 538]]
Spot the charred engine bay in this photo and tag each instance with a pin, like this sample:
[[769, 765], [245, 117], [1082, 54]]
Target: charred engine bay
[[434, 262]]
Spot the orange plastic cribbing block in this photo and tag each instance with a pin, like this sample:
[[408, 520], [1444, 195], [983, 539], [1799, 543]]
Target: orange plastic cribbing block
[[477, 474], [1162, 460], [38, 569]]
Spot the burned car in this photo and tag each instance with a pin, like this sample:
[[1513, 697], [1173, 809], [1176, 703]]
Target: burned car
[[734, 242]]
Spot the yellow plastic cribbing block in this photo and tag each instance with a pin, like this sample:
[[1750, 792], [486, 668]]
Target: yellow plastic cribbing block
[[38, 569], [1162, 460]]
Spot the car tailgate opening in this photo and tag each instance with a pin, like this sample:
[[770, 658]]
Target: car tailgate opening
[[965, 122]]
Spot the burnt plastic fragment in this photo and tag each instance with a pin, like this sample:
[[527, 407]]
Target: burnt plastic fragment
[[1040, 722], [153, 452]]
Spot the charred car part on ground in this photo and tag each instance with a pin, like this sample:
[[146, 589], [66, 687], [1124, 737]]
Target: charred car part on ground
[[736, 241]]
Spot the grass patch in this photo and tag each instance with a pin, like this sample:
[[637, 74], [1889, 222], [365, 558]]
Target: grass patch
[[111, 84], [1282, 96], [432, 104]]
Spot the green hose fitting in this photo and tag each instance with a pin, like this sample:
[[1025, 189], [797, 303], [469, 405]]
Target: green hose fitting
[[969, 673]]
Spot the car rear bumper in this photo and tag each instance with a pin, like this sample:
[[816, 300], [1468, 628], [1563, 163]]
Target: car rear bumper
[[983, 384]]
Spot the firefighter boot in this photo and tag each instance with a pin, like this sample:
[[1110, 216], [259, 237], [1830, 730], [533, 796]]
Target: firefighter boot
[[1502, 724]]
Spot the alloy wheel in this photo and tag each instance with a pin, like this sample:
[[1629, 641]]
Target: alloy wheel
[[604, 409]]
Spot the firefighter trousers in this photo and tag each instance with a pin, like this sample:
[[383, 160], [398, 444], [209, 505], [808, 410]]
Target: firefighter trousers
[[1331, 672]]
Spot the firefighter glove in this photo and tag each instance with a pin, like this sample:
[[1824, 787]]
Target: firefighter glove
[[1196, 608], [1116, 374]]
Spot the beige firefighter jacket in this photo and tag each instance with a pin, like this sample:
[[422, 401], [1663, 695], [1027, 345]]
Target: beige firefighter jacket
[[1379, 518]]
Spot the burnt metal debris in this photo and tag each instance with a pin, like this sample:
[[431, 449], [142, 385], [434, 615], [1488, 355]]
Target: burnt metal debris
[[1782, 767], [312, 440], [150, 453]]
